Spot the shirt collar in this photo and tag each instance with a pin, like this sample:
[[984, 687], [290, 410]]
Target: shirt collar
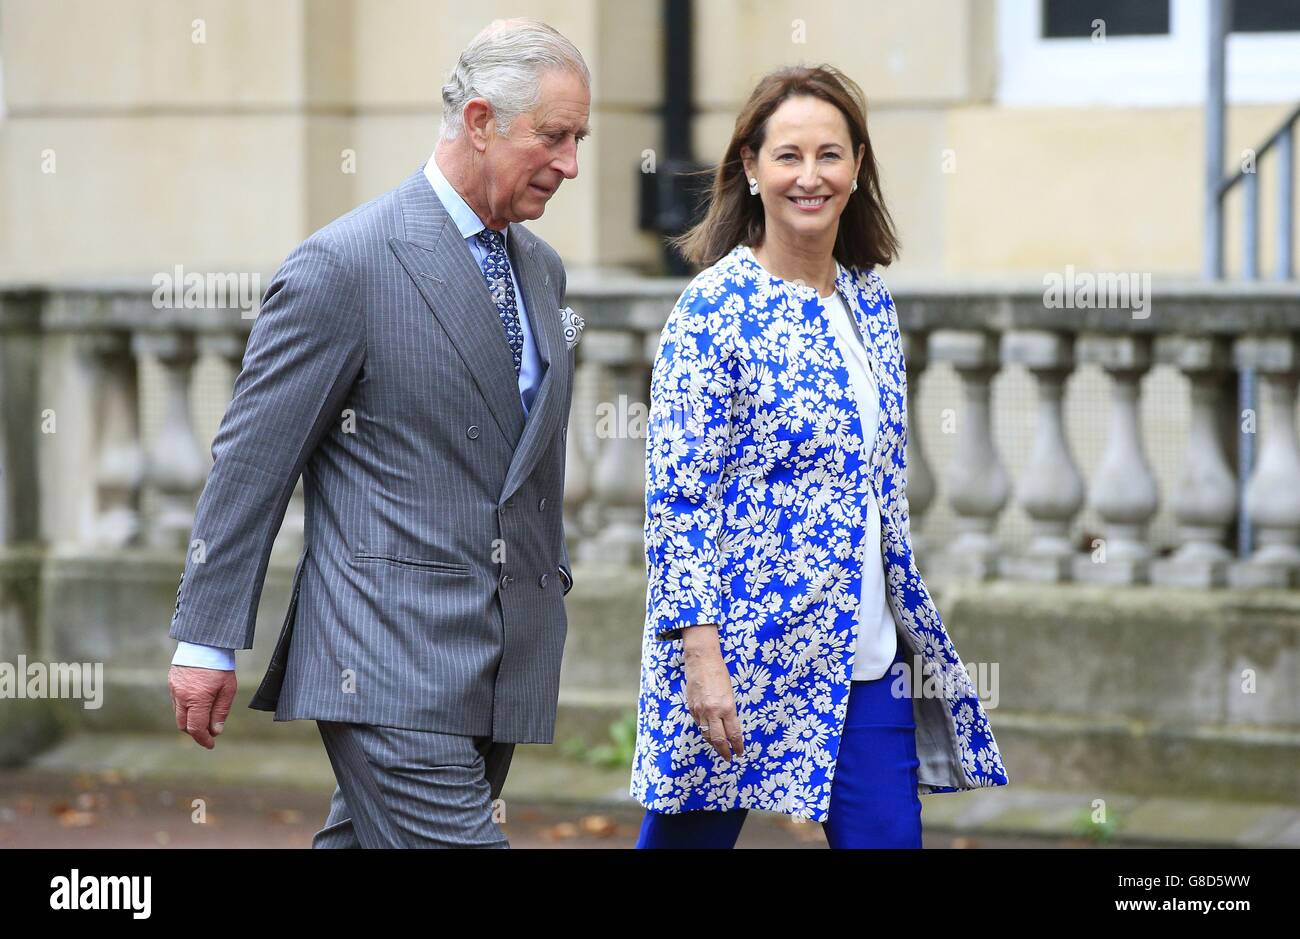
[[467, 223]]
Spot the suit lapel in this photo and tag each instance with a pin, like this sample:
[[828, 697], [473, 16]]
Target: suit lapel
[[543, 317], [442, 268], [449, 280]]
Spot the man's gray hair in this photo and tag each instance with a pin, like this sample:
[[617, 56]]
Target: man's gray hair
[[504, 64]]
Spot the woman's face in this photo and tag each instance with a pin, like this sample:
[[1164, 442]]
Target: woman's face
[[805, 169]]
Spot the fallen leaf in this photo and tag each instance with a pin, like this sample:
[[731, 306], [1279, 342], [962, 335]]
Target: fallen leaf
[[602, 826]]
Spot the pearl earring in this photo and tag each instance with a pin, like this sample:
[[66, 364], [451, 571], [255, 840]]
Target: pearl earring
[[855, 186], [753, 186]]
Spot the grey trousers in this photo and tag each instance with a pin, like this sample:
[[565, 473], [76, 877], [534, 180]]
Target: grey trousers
[[400, 788]]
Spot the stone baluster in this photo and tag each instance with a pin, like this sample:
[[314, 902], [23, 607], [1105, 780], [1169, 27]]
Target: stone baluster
[[920, 478], [977, 482], [119, 455], [618, 471], [1204, 497], [24, 348], [175, 464], [1051, 489], [1273, 489], [1123, 491]]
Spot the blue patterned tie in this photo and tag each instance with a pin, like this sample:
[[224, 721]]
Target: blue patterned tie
[[496, 271]]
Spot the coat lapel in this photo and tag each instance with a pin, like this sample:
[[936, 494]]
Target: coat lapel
[[877, 340], [879, 344]]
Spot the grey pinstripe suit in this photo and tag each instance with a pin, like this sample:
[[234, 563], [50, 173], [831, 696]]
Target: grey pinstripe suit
[[428, 596]]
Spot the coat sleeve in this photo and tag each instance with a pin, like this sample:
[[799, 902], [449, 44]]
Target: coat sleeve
[[687, 434], [304, 351]]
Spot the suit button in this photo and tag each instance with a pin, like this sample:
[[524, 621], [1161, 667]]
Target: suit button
[[541, 582], [505, 580], [541, 506], [472, 432]]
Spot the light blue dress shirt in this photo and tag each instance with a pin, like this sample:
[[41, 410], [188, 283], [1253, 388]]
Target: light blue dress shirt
[[196, 654]]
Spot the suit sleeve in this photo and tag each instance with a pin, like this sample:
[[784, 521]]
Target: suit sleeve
[[304, 352], [687, 434]]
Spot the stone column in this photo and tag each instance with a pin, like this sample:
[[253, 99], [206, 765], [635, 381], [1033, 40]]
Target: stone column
[[618, 470], [1051, 489], [1273, 490], [175, 464], [1205, 495], [119, 456], [1123, 491], [977, 483]]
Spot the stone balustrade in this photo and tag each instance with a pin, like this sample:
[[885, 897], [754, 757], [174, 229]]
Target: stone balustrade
[[1053, 456], [80, 365]]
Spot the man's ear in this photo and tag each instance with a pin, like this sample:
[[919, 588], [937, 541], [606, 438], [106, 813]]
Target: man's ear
[[480, 122]]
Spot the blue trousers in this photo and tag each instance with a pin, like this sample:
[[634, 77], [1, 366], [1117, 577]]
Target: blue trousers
[[873, 803]]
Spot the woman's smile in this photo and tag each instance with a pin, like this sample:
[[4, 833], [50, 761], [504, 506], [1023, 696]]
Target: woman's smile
[[809, 203]]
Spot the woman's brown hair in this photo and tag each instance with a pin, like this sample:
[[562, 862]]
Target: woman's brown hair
[[866, 235]]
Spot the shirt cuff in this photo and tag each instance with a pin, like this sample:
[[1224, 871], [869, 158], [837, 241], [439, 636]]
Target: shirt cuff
[[196, 655]]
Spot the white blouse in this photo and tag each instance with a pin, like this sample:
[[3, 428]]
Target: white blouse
[[877, 638]]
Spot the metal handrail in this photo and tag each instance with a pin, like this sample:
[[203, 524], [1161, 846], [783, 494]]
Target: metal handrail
[[1217, 187], [1284, 139]]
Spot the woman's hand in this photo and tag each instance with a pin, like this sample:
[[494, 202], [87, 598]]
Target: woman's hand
[[709, 696]]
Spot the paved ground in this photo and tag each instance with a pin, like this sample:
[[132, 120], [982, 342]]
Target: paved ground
[[95, 810], [140, 791]]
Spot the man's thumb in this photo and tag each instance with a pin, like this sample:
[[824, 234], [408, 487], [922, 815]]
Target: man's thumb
[[221, 707]]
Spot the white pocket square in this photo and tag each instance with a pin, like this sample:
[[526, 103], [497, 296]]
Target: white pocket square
[[573, 324]]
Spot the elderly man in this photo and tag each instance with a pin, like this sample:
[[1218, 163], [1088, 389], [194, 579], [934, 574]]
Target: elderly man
[[413, 362]]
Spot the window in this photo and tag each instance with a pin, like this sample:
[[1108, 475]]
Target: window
[[1151, 54], [1265, 16], [1075, 18]]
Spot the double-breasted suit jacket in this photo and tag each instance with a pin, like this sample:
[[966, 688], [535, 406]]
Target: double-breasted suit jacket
[[756, 493], [429, 594]]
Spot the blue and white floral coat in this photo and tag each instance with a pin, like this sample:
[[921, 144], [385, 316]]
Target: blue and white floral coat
[[756, 493]]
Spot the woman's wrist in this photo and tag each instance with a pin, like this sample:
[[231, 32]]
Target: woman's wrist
[[701, 639]]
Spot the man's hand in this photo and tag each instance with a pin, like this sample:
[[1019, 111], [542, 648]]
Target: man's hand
[[202, 698]]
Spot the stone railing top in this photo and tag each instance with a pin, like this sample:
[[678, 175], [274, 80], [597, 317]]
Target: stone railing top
[[629, 302]]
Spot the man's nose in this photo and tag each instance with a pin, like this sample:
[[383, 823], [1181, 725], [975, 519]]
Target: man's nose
[[567, 163]]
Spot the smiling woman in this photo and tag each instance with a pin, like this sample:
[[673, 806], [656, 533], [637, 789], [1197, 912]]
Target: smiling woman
[[784, 613], [800, 125]]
